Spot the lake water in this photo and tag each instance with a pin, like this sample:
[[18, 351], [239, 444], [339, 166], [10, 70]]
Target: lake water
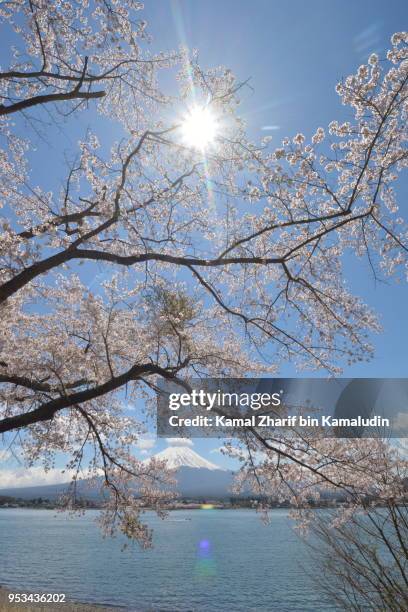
[[203, 560]]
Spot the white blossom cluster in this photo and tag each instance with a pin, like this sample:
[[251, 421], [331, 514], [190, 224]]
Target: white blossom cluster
[[223, 262]]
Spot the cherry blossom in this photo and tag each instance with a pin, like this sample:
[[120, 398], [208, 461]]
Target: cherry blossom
[[216, 260]]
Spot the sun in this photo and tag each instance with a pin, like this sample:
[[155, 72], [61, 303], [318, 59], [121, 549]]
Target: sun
[[199, 127]]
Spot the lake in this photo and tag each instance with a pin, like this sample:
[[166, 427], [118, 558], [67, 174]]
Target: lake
[[202, 560]]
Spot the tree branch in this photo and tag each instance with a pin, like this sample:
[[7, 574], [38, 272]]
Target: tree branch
[[46, 411], [45, 98]]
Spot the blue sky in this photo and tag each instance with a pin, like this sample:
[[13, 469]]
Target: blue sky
[[294, 53]]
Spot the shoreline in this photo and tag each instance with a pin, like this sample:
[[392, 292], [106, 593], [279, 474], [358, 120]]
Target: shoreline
[[68, 606]]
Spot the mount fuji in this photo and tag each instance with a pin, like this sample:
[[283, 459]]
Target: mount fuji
[[197, 479], [183, 456]]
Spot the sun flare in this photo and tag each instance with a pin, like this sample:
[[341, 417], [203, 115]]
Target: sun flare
[[199, 128]]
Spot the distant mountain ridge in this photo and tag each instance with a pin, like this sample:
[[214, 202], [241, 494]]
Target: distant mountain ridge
[[197, 478]]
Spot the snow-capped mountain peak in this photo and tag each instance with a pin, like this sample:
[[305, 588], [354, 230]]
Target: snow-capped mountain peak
[[182, 456]]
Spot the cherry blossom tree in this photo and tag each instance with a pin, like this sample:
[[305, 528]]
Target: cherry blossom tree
[[364, 561], [184, 249]]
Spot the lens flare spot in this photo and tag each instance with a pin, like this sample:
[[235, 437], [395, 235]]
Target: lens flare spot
[[205, 566]]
